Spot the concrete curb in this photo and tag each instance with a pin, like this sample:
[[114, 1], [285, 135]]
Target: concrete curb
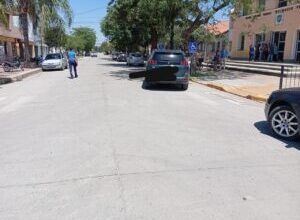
[[18, 77], [258, 98]]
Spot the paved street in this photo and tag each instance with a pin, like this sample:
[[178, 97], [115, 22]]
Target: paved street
[[102, 147]]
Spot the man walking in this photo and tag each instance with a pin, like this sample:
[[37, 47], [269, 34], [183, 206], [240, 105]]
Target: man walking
[[224, 55], [251, 53], [72, 62]]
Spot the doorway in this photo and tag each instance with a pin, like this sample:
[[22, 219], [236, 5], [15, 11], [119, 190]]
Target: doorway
[[278, 39], [260, 38]]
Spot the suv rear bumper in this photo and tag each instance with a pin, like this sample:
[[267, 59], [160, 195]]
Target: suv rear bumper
[[178, 81]]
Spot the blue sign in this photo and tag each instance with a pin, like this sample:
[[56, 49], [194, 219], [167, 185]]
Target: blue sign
[[161, 46], [193, 47]]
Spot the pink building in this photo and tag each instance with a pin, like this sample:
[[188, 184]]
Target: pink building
[[271, 22]]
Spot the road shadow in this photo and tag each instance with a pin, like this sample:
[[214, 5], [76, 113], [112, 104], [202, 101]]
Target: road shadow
[[264, 128], [106, 58], [161, 87], [116, 64], [122, 75]]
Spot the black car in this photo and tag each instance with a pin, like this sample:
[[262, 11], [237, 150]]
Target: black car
[[169, 58], [283, 113]]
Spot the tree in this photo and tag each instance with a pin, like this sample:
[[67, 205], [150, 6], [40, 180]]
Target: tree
[[155, 19], [3, 16], [106, 47], [39, 11], [87, 35], [75, 42], [55, 36]]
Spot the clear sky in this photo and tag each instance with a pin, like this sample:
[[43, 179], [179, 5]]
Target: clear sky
[[89, 13]]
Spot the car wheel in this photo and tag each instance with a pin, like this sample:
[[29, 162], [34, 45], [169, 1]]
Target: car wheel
[[284, 122], [184, 87]]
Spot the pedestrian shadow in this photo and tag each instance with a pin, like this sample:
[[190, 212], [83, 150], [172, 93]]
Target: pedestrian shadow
[[161, 87], [264, 128]]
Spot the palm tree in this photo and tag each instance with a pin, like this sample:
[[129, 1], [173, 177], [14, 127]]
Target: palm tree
[[3, 10], [40, 11]]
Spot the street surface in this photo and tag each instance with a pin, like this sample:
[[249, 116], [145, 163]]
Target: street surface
[[102, 147]]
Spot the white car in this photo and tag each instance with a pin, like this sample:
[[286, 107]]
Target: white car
[[135, 59], [55, 61]]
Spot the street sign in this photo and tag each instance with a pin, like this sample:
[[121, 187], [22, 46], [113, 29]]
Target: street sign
[[193, 47], [161, 46]]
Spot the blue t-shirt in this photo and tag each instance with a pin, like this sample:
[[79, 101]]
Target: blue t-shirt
[[224, 54], [72, 55]]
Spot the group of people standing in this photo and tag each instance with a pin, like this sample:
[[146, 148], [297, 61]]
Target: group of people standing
[[263, 52]]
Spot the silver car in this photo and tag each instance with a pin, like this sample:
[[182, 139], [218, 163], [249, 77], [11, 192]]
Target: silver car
[[55, 61], [135, 59]]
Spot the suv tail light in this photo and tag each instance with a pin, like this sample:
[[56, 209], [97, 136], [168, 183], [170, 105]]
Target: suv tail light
[[152, 62], [184, 62]]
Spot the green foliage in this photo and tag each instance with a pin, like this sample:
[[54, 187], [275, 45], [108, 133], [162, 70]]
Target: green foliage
[[82, 39], [55, 36], [106, 47], [85, 35], [75, 42]]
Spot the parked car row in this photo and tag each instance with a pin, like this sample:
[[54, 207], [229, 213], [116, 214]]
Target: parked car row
[[132, 59]]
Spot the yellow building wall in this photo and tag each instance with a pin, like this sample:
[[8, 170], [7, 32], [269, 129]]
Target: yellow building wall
[[267, 22]]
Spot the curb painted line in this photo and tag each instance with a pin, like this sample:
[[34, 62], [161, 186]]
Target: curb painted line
[[258, 98]]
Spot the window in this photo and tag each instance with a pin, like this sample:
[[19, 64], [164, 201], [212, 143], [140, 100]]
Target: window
[[242, 42], [282, 3], [262, 4]]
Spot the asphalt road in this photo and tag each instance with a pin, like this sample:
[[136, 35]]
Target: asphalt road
[[102, 147]]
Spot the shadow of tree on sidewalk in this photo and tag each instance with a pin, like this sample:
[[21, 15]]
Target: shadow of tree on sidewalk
[[264, 128], [209, 75]]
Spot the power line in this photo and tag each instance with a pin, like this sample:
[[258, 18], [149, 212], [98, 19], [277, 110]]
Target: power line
[[88, 11]]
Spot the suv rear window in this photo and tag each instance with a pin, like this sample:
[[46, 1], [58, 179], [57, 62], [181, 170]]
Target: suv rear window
[[168, 58]]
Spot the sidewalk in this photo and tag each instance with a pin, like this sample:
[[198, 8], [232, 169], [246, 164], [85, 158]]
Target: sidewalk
[[249, 85], [9, 77]]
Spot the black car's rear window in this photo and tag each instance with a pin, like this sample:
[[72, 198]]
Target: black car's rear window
[[168, 58]]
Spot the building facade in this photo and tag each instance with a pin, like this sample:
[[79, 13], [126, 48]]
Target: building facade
[[12, 41], [209, 47], [275, 22]]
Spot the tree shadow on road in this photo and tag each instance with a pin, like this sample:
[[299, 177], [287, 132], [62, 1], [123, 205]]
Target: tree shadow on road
[[117, 64], [264, 128], [122, 75]]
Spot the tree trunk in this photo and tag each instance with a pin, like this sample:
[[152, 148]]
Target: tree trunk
[[25, 31], [172, 34], [154, 40], [21, 48]]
